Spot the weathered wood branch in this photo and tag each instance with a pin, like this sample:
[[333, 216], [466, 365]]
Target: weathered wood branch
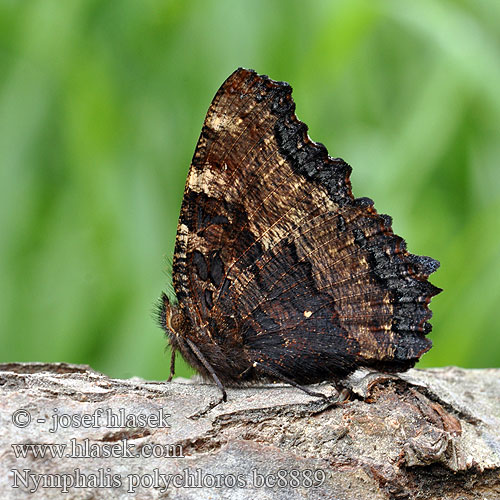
[[427, 434]]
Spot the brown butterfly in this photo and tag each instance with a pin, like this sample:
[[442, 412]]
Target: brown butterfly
[[279, 272]]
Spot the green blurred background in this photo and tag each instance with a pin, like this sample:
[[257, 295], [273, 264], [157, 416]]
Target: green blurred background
[[101, 105]]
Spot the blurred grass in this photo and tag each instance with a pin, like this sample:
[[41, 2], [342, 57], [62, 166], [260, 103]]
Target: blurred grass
[[101, 104]]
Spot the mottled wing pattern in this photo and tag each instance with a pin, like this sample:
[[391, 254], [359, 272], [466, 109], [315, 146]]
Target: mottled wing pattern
[[277, 260]]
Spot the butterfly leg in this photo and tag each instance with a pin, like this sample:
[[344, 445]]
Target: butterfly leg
[[272, 372], [209, 368], [345, 393], [172, 366]]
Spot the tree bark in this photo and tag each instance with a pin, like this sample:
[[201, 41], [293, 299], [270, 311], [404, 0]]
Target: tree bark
[[424, 434]]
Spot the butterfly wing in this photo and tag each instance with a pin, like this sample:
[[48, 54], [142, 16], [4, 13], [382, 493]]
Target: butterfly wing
[[277, 262]]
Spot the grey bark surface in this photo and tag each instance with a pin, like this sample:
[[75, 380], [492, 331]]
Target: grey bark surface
[[425, 434]]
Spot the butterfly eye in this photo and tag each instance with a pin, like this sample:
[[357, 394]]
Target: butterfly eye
[[177, 322]]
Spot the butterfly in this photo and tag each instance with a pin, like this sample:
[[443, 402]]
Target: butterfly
[[279, 273]]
